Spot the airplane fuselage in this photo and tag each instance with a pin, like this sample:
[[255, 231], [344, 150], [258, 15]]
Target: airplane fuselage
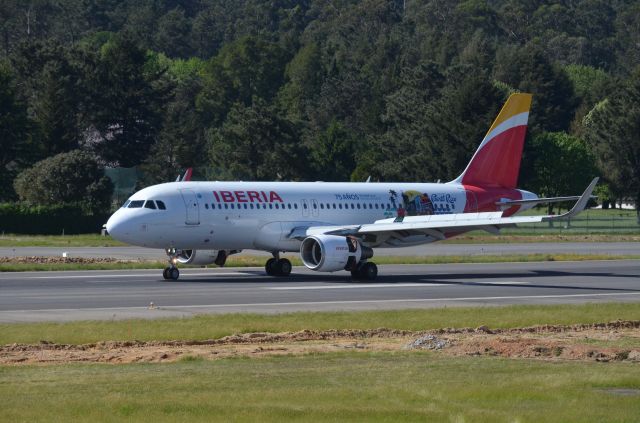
[[262, 215]]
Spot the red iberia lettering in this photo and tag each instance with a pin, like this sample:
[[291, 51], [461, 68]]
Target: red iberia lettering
[[253, 196], [273, 196], [240, 196], [227, 197], [247, 196]]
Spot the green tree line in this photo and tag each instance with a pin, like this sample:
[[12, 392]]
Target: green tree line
[[316, 90]]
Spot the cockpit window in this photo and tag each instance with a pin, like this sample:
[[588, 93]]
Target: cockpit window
[[126, 203], [135, 204], [161, 205], [150, 205]]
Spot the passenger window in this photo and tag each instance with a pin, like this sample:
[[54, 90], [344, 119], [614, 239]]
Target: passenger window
[[251, 206], [352, 206], [358, 205], [289, 206], [277, 206], [270, 206], [340, 206], [304, 205], [321, 205], [206, 206], [295, 206], [334, 205], [136, 204], [245, 206], [226, 206]]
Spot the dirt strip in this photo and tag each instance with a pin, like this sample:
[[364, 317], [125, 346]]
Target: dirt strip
[[604, 342]]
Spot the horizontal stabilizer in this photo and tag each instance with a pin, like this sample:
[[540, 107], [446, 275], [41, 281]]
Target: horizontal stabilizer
[[540, 200]]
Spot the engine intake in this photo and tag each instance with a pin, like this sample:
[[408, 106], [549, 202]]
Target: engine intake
[[330, 253]]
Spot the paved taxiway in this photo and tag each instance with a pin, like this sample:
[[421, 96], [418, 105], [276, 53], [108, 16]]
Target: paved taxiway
[[61, 296], [436, 249]]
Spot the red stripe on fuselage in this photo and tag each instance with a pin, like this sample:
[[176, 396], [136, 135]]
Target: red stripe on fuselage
[[485, 198]]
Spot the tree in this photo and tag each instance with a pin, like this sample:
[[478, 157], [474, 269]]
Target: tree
[[254, 143], [559, 164], [332, 153], [528, 70], [15, 134], [612, 129], [181, 142], [172, 36], [128, 96], [73, 177]]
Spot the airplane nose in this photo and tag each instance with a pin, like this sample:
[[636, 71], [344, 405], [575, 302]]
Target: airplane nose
[[116, 226]]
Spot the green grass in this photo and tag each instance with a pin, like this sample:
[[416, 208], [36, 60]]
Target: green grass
[[258, 261], [84, 240], [211, 326], [391, 387]]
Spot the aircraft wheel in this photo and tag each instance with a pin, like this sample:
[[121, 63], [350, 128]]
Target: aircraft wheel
[[173, 273], [270, 267], [283, 267], [164, 273], [366, 271], [369, 271]]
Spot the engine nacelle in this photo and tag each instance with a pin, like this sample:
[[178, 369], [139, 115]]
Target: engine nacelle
[[330, 253], [204, 257]]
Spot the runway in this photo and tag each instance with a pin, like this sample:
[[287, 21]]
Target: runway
[[435, 249], [64, 296]]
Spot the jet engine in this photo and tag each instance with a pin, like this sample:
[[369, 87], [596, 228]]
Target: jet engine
[[330, 253], [204, 257]]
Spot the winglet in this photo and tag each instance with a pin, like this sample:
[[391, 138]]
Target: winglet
[[580, 204]]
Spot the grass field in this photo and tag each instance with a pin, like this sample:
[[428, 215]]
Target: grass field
[[84, 240], [212, 326], [345, 386], [392, 387]]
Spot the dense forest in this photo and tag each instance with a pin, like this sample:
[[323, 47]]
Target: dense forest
[[330, 90]]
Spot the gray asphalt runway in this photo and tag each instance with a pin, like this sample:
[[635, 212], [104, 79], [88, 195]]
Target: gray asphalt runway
[[63, 296], [615, 248]]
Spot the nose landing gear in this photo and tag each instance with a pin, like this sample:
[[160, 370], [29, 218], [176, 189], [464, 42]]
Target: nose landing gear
[[171, 271]]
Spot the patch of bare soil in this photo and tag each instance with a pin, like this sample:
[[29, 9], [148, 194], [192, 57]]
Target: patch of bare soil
[[614, 341], [58, 260]]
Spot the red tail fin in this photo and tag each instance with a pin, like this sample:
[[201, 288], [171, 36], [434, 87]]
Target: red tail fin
[[496, 163]]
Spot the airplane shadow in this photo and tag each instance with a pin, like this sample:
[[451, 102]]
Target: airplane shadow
[[458, 279]]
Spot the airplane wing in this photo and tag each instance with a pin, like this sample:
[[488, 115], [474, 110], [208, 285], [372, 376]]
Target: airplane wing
[[437, 225]]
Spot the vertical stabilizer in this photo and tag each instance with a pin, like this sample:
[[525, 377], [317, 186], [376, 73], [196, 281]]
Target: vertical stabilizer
[[496, 163]]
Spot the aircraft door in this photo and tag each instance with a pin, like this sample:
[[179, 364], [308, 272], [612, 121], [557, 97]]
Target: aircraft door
[[305, 208], [315, 210], [192, 207]]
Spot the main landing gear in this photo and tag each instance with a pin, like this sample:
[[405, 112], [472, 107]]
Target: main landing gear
[[171, 272], [365, 270], [277, 266]]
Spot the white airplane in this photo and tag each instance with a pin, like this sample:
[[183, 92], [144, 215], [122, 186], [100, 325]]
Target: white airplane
[[335, 225]]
